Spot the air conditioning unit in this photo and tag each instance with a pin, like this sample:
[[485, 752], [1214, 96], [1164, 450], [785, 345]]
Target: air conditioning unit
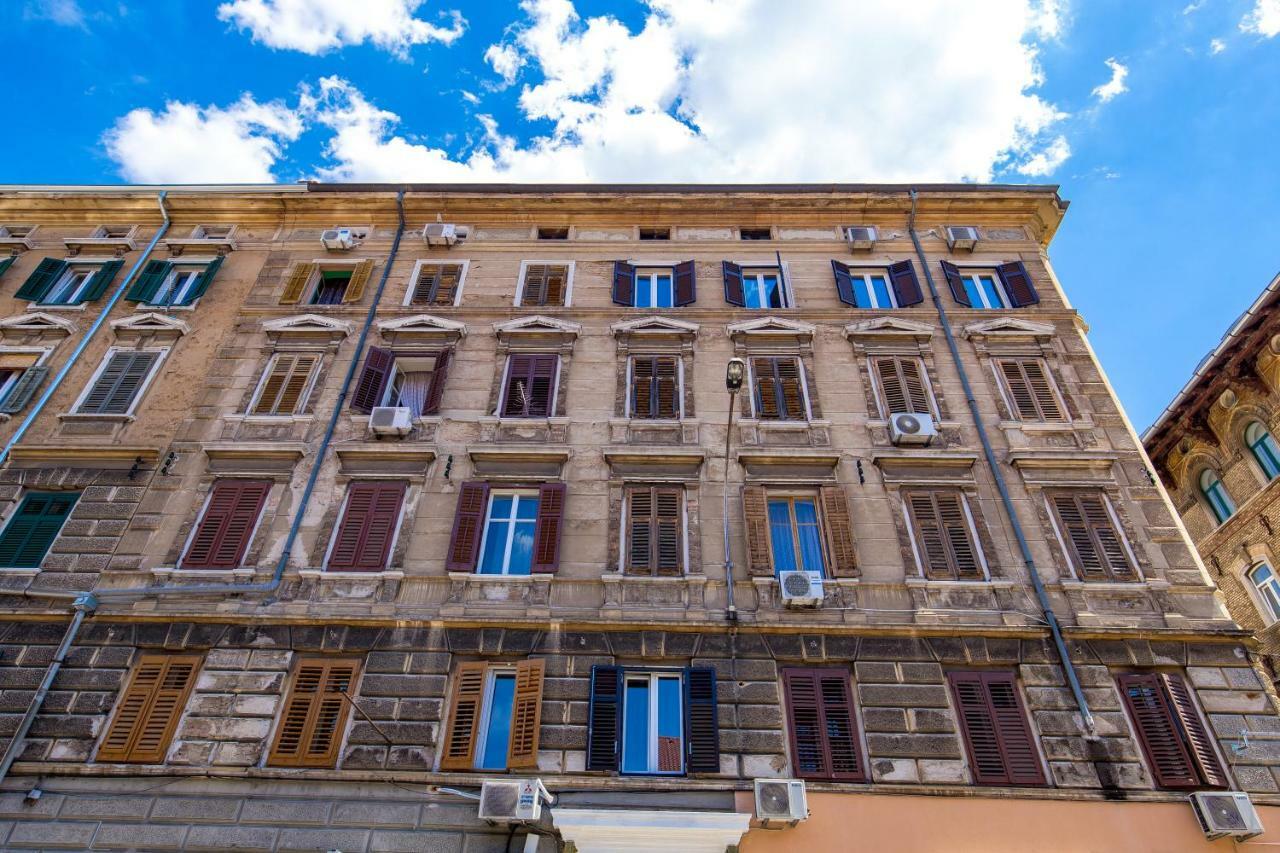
[[440, 234], [781, 800], [860, 236], [339, 238], [512, 800], [962, 238], [1223, 813], [800, 589], [911, 428], [390, 420]]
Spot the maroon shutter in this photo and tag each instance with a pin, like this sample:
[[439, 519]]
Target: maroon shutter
[[685, 291], [1017, 283], [624, 283], [952, 272], [373, 379], [1198, 740], [844, 283], [995, 730], [546, 534], [542, 386], [223, 534], [438, 378], [468, 524], [733, 292], [906, 287], [369, 521], [1153, 719], [515, 395], [702, 724], [823, 729]]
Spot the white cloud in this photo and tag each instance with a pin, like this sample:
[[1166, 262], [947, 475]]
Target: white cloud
[[1192, 8], [1264, 19], [187, 143], [1047, 160], [1114, 86], [317, 26], [505, 60], [67, 13], [1217, 46]]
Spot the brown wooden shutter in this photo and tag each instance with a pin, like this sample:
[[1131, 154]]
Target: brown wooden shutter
[[666, 387], [222, 536], [458, 745], [906, 287], [526, 714], [956, 283], [943, 537], [368, 525], [530, 386], [734, 293], [902, 387], [436, 285], [844, 284], [546, 533], [655, 539], [379, 364], [755, 518], [839, 531], [286, 383], [624, 283], [685, 287], [995, 729], [1097, 552], [1030, 390], [359, 278], [604, 718], [821, 724], [1017, 283], [702, 727], [315, 713], [439, 378], [149, 708], [297, 283], [1199, 740], [1158, 732], [640, 530], [468, 525], [542, 386], [642, 376]]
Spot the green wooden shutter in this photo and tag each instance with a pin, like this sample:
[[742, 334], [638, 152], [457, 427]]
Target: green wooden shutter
[[18, 397], [31, 531], [6, 263], [148, 282], [202, 283], [101, 280], [41, 279]]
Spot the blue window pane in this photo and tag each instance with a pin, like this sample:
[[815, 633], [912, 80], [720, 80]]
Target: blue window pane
[[497, 736], [992, 292], [635, 727], [662, 287], [751, 289], [784, 549], [773, 291], [527, 507], [670, 727], [1268, 455], [810, 540], [522, 549], [861, 294], [495, 548], [1261, 573], [882, 291], [644, 291], [972, 292]]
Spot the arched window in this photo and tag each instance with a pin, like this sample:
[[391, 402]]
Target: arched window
[[1216, 494], [1265, 582], [1264, 449]]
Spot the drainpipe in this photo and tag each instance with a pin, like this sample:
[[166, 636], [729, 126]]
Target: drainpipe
[[1006, 501]]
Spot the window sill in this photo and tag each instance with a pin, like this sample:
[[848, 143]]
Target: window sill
[[625, 577], [993, 583], [488, 578], [1073, 585], [40, 306], [498, 419], [17, 572], [96, 416], [1046, 426], [270, 419], [166, 572], [148, 307], [324, 574], [784, 425]]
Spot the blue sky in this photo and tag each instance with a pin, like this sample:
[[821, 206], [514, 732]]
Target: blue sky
[[1159, 120]]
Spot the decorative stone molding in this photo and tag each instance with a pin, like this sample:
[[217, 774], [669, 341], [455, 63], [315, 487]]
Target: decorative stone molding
[[254, 457], [422, 330], [775, 463], [657, 462], [519, 462], [888, 330], [777, 328], [1007, 328], [85, 456], [307, 328], [385, 459], [650, 328], [936, 467], [151, 324], [537, 330], [36, 323], [99, 241], [619, 831]]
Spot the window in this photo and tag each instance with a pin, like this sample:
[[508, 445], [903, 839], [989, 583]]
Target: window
[[114, 232], [1091, 537], [173, 282], [148, 709], [1004, 286], [993, 725], [415, 381], [436, 284], [795, 539], [755, 234], [654, 533], [328, 283], [34, 525], [655, 233], [755, 286], [821, 723], [895, 286], [943, 535], [227, 524], [510, 531], [286, 384], [212, 232], [494, 716], [507, 545], [1175, 740], [659, 722], [654, 287], [655, 387], [1216, 495], [20, 376], [1264, 581], [331, 287], [543, 284], [1029, 390], [779, 389], [799, 530], [1264, 449], [315, 713], [119, 382], [58, 282], [553, 233], [367, 529], [529, 390], [903, 385], [983, 289]]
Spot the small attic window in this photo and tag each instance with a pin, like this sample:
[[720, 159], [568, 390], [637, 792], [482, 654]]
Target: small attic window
[[212, 232], [655, 233], [755, 234], [556, 233], [114, 232], [16, 232]]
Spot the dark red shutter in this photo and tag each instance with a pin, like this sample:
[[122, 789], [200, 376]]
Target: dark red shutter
[[995, 730], [542, 384], [624, 283], [1198, 740], [438, 378], [369, 520], [686, 284], [906, 287], [468, 524], [733, 292], [1157, 728], [823, 729], [223, 534], [844, 284], [530, 388], [546, 533], [1017, 283], [373, 379], [952, 272], [604, 718], [702, 726]]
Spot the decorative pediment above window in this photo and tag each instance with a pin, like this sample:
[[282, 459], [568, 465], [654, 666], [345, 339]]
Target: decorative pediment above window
[[307, 328], [150, 324], [771, 327], [37, 324], [537, 330], [786, 464], [1010, 329], [656, 327], [884, 329], [422, 330], [507, 463], [657, 463]]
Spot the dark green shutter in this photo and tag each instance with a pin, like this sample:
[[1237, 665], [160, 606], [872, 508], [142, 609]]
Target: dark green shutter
[[101, 280], [41, 279], [36, 523], [148, 283], [116, 387], [18, 397], [202, 283], [6, 263]]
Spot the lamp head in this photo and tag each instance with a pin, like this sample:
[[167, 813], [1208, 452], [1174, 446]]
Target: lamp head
[[734, 374]]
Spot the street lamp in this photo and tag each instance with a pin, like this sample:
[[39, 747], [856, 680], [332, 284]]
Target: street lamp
[[734, 374]]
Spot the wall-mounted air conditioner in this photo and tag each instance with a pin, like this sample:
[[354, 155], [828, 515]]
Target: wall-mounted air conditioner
[[800, 589], [1223, 813], [962, 238], [512, 800], [444, 234], [911, 428], [390, 420], [339, 239], [781, 800], [860, 237]]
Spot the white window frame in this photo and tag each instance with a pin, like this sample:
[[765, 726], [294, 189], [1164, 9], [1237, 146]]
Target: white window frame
[[865, 274], [41, 353], [651, 268], [142, 389], [303, 399], [973, 535], [337, 526], [999, 283], [924, 376], [1265, 610], [323, 265], [177, 264], [653, 676], [568, 285], [73, 265], [438, 262], [788, 296], [492, 671], [626, 521], [204, 508], [804, 388], [555, 386], [631, 366], [511, 527]]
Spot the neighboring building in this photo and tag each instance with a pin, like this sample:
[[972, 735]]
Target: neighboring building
[[530, 582]]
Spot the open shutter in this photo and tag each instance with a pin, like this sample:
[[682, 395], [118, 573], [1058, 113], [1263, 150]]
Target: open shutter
[[468, 523], [465, 707], [821, 723], [439, 378], [755, 518], [369, 521], [1197, 738], [839, 531], [101, 280], [733, 292], [958, 293], [702, 726], [6, 263], [222, 536], [515, 394], [686, 284], [41, 279], [203, 280], [604, 718], [526, 714], [374, 376], [149, 708], [359, 278], [624, 283], [1154, 721], [546, 533], [315, 714], [148, 282], [995, 730], [33, 527], [906, 287], [297, 283], [542, 386], [767, 399], [844, 283], [1017, 283], [24, 389]]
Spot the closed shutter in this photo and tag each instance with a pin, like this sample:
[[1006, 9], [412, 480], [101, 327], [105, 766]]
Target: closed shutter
[[101, 280], [315, 714], [655, 387], [299, 276], [223, 534], [113, 392], [148, 282], [686, 284], [375, 374], [844, 283], [1094, 544], [468, 524], [1030, 390], [359, 278], [1159, 733], [148, 710], [283, 390], [369, 520], [41, 279], [34, 526], [755, 518], [1017, 283], [821, 723], [465, 707], [526, 714], [547, 529], [530, 391], [906, 287], [436, 285], [779, 394], [702, 729], [604, 717], [734, 293], [902, 386], [943, 538], [995, 729], [203, 281], [24, 389], [439, 378], [545, 284], [655, 531], [839, 531], [624, 283], [956, 283]]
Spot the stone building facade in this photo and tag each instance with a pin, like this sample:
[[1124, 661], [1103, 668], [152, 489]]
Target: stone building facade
[[270, 626]]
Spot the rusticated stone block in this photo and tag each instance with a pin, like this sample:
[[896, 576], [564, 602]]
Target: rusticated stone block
[[913, 745]]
